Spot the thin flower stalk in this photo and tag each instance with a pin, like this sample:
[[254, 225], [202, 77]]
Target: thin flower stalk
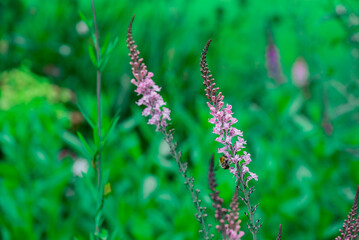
[[224, 121], [159, 116], [350, 229]]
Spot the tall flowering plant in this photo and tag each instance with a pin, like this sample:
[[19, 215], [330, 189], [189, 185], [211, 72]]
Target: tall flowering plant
[[223, 120], [233, 157], [159, 116]]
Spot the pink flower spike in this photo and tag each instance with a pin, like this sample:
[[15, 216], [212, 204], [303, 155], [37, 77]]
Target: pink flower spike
[[223, 121], [147, 88]]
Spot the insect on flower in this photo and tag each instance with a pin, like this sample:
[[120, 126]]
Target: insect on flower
[[223, 162]]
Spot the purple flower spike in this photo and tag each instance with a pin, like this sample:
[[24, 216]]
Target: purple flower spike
[[151, 98], [154, 107], [223, 124]]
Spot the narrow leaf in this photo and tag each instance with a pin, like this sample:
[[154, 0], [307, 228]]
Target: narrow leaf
[[83, 18], [107, 53], [110, 128], [84, 114], [93, 56], [104, 62], [86, 146], [105, 44]]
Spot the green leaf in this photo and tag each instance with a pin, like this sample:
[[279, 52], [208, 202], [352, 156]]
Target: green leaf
[[303, 122], [93, 56], [86, 146], [107, 53], [103, 62], [94, 39], [72, 140], [110, 128], [84, 114], [104, 234], [105, 44], [112, 46], [83, 18], [296, 105]]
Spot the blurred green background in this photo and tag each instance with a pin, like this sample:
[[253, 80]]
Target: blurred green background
[[289, 68]]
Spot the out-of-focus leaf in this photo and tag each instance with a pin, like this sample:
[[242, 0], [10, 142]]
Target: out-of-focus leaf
[[86, 146], [107, 54], [105, 44], [303, 122], [83, 18], [92, 55], [110, 128], [84, 114], [107, 189], [150, 184]]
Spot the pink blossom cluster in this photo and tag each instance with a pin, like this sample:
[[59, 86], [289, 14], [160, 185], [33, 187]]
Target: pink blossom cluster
[[150, 97], [146, 87], [223, 121]]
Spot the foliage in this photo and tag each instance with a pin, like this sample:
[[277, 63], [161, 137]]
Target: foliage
[[35, 183], [303, 140]]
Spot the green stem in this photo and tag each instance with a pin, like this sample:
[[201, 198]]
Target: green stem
[[182, 167], [99, 156]]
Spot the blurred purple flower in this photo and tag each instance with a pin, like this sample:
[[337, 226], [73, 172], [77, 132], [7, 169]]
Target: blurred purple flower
[[274, 68], [147, 88], [300, 72]]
